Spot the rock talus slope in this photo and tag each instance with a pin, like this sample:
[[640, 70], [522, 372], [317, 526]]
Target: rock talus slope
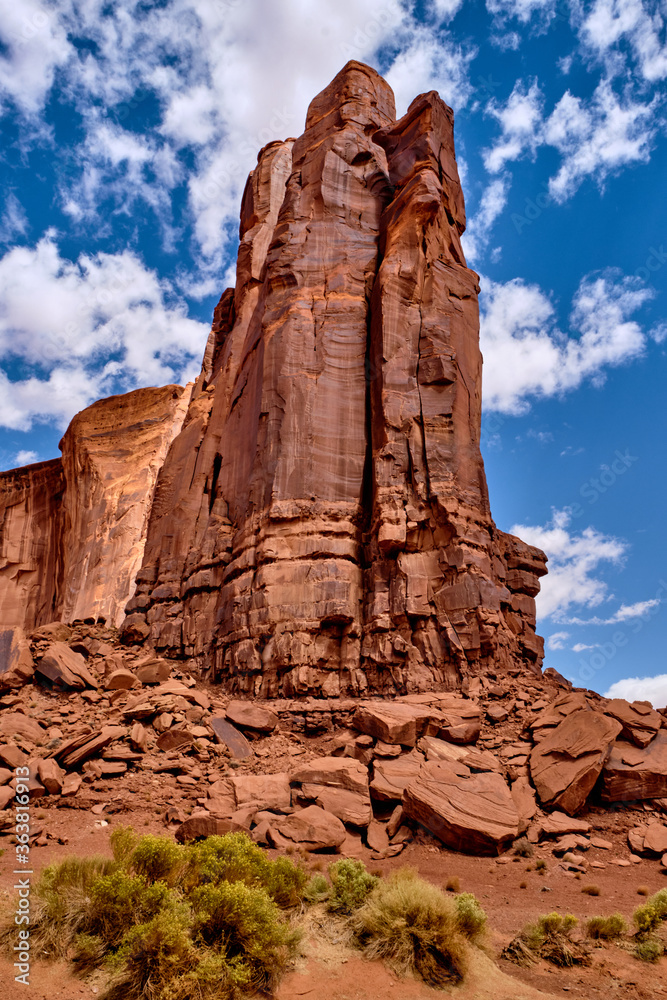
[[321, 524]]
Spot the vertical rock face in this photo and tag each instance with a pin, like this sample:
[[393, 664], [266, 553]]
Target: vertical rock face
[[72, 531], [321, 523]]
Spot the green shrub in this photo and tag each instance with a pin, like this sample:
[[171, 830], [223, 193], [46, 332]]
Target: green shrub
[[158, 859], [649, 950], [549, 939], [413, 926], [235, 858], [317, 889], [350, 885], [120, 901], [245, 924], [63, 902], [523, 848], [470, 917], [606, 928]]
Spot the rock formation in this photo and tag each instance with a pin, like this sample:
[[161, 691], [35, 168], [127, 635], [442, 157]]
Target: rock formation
[[72, 531], [321, 522]]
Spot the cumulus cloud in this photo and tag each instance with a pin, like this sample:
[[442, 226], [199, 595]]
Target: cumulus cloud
[[527, 355], [25, 458], [574, 560], [653, 689], [36, 43], [14, 221], [493, 201], [557, 640], [522, 10], [638, 23], [103, 323], [626, 612], [520, 120]]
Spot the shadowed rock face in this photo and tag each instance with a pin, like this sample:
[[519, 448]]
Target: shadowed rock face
[[321, 523], [72, 531]]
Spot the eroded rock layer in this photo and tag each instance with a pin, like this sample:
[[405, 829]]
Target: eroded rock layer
[[321, 524], [72, 531]]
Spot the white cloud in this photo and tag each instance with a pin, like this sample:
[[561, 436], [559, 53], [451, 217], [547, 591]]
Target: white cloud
[[626, 612], [93, 319], [522, 10], [640, 23], [520, 122], [526, 354], [478, 232], [14, 221], [446, 9], [37, 46], [580, 647], [573, 561], [557, 640], [653, 689], [25, 458], [597, 138]]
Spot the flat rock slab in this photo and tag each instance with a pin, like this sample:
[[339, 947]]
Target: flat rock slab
[[17, 724], [174, 739], [350, 807], [246, 715], [339, 772], [81, 748], [523, 796], [469, 812], [557, 823], [153, 671], [63, 667], [632, 774], [641, 723], [567, 762], [393, 722], [391, 776], [197, 827], [229, 736], [266, 791], [312, 828]]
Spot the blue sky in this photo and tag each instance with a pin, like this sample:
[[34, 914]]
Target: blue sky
[[128, 129]]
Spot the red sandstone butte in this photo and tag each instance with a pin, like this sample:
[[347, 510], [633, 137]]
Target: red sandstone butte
[[321, 521]]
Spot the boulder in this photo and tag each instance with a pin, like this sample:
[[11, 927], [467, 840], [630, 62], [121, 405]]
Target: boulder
[[558, 823], [65, 668], [641, 724], [523, 796], [461, 720], [51, 776], [469, 812], [229, 736], [16, 662], [266, 791], [17, 724], [567, 762], [312, 828], [154, 670], [631, 773], [339, 772], [655, 838], [198, 827], [350, 807], [121, 680], [393, 722], [247, 715], [391, 776], [559, 709]]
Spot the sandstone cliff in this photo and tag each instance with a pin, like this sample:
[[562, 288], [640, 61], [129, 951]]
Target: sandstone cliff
[[321, 523], [72, 531]]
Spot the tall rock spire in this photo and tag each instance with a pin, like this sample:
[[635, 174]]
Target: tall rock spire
[[322, 523]]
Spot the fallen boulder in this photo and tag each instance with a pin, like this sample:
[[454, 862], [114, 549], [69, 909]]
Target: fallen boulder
[[247, 715], [641, 723], [63, 667], [631, 773], [312, 828], [567, 762], [470, 812]]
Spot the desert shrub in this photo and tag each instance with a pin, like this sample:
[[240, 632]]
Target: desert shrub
[[317, 889], [650, 914], [63, 902], [550, 939], [245, 925], [453, 884], [470, 917], [158, 859], [88, 952], [235, 858], [413, 926], [591, 890], [523, 848], [606, 928], [523, 885], [123, 842], [350, 885], [649, 950], [540, 865], [643, 890], [119, 901]]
